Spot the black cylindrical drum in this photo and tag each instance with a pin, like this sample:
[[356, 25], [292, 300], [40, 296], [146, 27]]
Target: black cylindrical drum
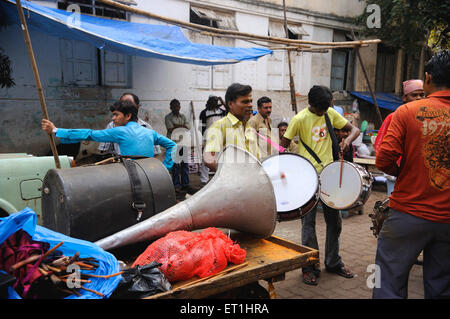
[[92, 202]]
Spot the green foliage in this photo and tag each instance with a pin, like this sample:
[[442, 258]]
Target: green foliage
[[408, 24]]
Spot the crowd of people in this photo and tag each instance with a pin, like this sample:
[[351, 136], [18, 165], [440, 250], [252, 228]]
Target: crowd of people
[[412, 147]]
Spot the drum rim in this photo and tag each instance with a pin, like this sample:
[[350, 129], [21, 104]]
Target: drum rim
[[360, 179], [317, 190]]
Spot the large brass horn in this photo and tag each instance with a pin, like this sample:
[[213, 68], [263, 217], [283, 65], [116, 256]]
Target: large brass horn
[[240, 196]]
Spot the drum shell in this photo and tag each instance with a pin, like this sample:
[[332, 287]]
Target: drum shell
[[313, 197], [365, 186], [92, 202]]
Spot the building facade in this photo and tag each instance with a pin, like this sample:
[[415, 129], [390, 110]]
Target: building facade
[[81, 81]]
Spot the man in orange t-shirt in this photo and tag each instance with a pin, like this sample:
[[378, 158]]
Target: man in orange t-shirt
[[419, 216]]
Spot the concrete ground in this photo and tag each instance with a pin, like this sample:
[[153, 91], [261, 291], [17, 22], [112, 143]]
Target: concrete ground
[[357, 249]]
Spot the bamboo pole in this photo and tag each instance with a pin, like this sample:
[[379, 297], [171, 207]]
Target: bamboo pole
[[198, 27], [37, 78], [296, 48], [288, 52], [377, 109]]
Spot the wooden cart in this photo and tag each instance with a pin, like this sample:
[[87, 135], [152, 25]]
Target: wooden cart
[[267, 259]]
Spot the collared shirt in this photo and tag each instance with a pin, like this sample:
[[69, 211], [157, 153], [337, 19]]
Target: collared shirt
[[264, 128], [231, 131], [114, 147], [133, 139], [171, 120], [259, 123]]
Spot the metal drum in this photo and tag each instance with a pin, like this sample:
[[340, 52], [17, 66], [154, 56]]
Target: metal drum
[[295, 182], [92, 202], [351, 191]]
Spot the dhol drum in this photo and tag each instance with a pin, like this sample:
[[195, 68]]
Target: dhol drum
[[344, 185], [295, 183]]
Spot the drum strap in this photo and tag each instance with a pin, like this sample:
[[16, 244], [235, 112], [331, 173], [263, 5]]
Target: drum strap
[[334, 143], [312, 153], [136, 187]]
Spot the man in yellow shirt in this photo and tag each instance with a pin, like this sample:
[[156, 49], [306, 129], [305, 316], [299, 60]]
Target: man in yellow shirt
[[311, 128], [233, 129]]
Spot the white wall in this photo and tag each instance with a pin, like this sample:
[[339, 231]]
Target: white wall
[[155, 81]]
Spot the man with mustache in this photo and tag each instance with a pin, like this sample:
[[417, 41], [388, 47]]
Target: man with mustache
[[234, 128]]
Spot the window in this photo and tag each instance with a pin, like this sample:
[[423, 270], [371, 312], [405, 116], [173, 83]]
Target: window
[[342, 64], [296, 31], [277, 64], [97, 8], [218, 76], [385, 71], [82, 63], [85, 65]]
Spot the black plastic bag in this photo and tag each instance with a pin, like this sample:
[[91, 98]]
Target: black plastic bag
[[141, 281]]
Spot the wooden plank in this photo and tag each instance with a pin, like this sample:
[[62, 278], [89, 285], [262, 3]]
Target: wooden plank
[[266, 258], [364, 161]]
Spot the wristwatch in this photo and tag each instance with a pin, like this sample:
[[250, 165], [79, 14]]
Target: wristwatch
[[54, 130]]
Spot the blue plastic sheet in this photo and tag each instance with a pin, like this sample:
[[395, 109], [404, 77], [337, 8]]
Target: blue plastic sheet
[[141, 39], [108, 264], [387, 101]]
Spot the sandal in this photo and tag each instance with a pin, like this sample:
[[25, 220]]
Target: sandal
[[310, 278], [342, 271]]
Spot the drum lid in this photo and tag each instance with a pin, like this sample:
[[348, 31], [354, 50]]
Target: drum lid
[[346, 195], [294, 179]]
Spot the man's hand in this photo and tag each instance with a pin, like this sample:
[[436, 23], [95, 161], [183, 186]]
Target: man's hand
[[209, 160], [47, 126], [345, 145]]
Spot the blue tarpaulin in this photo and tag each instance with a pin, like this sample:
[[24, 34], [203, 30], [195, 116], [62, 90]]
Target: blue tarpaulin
[[387, 101], [140, 39]]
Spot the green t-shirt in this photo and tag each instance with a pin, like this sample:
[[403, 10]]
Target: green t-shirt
[[312, 130]]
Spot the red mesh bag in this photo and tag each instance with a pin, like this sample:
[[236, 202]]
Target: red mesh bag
[[184, 254]]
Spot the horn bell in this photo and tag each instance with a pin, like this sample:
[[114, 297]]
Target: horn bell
[[240, 196]]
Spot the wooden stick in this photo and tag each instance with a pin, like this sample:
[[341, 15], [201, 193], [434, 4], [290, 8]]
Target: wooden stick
[[53, 268], [291, 78], [51, 250], [298, 48], [37, 78], [342, 166], [194, 26], [377, 109], [103, 276], [223, 272], [93, 291], [79, 280], [110, 159], [324, 193], [24, 262], [82, 264]]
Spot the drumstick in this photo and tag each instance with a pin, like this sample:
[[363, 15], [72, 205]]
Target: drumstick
[[324, 193], [342, 164]]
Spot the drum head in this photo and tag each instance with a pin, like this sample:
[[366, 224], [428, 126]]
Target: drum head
[[346, 195], [294, 179]]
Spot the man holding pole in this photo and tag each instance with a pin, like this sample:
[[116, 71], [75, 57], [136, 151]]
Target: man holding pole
[[132, 138]]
